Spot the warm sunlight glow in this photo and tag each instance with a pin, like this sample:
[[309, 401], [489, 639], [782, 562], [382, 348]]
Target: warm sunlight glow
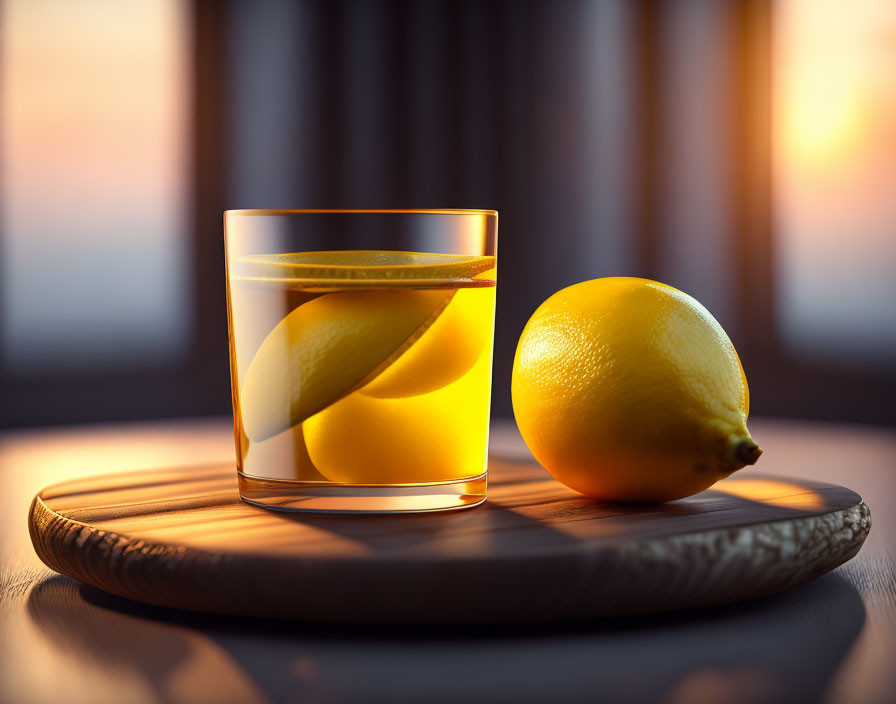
[[834, 174], [826, 76], [94, 182], [772, 492], [822, 119]]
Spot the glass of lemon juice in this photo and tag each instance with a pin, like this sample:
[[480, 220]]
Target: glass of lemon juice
[[360, 357]]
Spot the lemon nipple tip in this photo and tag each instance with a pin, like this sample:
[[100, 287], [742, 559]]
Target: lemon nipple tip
[[746, 452]]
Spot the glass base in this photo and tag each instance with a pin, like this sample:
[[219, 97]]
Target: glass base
[[319, 497]]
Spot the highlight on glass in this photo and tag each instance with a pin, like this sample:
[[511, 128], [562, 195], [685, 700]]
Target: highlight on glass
[[361, 356]]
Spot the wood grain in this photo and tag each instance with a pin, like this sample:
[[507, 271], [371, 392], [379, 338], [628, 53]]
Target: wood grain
[[536, 551]]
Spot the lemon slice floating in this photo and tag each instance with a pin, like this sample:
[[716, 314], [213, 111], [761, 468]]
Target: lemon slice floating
[[358, 268], [327, 348]]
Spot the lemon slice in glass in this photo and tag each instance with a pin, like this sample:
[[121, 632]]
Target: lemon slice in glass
[[355, 440], [327, 348]]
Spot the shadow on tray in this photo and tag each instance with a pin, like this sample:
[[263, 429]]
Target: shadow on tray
[[783, 648]]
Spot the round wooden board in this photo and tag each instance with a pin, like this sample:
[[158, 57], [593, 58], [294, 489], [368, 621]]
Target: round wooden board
[[181, 538]]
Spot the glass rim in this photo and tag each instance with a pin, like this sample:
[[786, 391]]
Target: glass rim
[[348, 211]]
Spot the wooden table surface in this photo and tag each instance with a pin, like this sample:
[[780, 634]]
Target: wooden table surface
[[832, 640]]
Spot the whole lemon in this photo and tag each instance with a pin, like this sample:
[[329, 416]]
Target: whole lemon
[[626, 389]]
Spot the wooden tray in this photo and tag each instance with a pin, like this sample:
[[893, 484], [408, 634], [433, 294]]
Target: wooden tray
[[181, 538]]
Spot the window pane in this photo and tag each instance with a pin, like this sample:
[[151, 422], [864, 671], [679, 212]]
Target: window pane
[[93, 182], [835, 177]]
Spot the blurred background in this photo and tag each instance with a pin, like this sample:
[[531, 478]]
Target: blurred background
[[743, 151]]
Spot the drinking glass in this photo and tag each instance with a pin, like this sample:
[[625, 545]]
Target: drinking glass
[[360, 357]]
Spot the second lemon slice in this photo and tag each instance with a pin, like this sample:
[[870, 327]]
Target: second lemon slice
[[440, 436], [445, 351]]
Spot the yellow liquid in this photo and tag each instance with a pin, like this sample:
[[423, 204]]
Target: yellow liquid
[[352, 382]]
